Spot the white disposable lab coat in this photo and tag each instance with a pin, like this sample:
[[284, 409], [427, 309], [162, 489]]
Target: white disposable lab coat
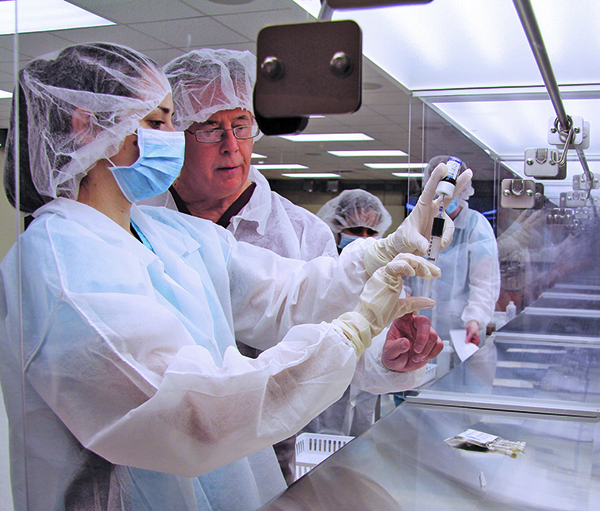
[[271, 221], [132, 386]]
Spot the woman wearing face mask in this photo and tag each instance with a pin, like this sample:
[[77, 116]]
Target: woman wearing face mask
[[355, 214], [118, 362]]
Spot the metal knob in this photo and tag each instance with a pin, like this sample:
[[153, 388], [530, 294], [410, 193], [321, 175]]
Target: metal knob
[[272, 68], [341, 64]]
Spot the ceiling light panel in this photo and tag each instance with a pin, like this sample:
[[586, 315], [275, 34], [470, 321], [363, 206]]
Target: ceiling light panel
[[312, 175], [366, 153], [510, 127], [282, 166], [475, 49], [44, 15], [396, 165], [328, 137], [408, 174]]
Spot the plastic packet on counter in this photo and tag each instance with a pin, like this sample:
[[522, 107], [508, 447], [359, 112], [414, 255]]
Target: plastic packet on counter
[[473, 440]]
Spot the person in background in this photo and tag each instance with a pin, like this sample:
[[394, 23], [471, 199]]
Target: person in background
[[355, 214], [122, 383], [467, 292], [212, 92], [352, 215]]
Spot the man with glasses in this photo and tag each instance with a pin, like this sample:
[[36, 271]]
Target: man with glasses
[[212, 94]]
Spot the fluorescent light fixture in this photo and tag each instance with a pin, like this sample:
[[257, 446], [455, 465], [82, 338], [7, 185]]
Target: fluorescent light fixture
[[517, 124], [346, 154], [282, 166], [316, 116], [396, 165], [256, 155], [44, 15], [328, 137], [408, 174], [311, 175], [5, 95], [486, 35]]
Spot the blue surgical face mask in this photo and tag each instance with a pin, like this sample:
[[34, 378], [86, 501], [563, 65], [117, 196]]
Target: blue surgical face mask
[[452, 206], [346, 239], [159, 164]]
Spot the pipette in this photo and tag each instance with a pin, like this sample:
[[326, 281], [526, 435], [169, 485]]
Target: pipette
[[445, 188]]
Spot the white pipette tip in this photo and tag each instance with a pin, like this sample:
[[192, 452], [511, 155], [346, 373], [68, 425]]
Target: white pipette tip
[[427, 289]]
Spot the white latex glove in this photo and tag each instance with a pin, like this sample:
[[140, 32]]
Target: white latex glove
[[380, 302], [412, 237]]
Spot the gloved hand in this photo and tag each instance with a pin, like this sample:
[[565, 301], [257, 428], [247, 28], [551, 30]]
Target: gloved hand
[[379, 302], [410, 343], [412, 237]]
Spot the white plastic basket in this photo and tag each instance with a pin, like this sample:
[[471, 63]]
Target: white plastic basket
[[313, 448]]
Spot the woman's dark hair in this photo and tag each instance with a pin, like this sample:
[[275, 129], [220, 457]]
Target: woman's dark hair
[[94, 67]]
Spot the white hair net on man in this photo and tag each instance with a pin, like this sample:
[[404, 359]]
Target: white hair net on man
[[207, 81], [465, 193], [75, 108], [355, 208]]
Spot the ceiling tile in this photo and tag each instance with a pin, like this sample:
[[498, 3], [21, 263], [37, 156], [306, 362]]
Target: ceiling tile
[[215, 9], [132, 11], [118, 34], [250, 24], [6, 54], [40, 43], [190, 33], [163, 56]]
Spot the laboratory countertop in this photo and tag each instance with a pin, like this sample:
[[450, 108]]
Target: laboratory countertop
[[404, 463], [552, 328], [536, 380], [530, 376], [565, 306]]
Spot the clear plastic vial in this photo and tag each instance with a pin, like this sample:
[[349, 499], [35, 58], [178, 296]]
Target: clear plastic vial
[[511, 311]]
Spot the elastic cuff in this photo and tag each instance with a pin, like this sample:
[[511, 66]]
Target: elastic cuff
[[355, 328]]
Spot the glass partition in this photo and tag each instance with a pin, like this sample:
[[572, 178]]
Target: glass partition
[[10, 225], [523, 264]]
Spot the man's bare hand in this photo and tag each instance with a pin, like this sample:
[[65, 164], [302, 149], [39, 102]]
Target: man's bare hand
[[410, 343]]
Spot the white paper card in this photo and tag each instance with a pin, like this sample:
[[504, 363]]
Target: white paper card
[[463, 349]]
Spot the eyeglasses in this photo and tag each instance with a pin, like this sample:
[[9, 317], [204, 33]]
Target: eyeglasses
[[216, 135], [365, 232]]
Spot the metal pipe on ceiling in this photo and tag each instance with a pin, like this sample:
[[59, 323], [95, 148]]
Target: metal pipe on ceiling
[[534, 36]]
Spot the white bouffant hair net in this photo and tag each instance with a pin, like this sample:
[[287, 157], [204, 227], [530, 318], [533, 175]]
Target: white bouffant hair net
[[465, 193], [355, 208], [75, 108], [207, 81]]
